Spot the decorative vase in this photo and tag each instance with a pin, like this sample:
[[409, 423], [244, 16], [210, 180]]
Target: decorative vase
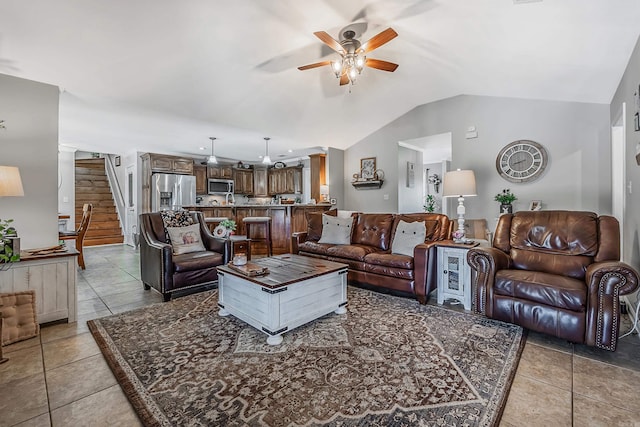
[[506, 208]]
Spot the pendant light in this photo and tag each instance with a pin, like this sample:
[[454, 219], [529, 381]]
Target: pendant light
[[212, 158], [266, 159]]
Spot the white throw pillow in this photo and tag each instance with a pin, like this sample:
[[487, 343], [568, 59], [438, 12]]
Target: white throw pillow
[[408, 236], [336, 230], [185, 239]]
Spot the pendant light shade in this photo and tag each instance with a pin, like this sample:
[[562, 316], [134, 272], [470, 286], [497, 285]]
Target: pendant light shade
[[212, 158], [266, 159]]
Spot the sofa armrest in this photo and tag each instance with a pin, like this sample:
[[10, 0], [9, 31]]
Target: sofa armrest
[[606, 281], [485, 262], [156, 262], [425, 270], [297, 239]]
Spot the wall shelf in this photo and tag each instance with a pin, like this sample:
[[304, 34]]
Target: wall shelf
[[368, 184]]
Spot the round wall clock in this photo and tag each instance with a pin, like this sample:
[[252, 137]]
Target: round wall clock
[[521, 161]]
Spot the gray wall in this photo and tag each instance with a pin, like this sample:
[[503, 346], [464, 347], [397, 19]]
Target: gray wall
[[628, 86], [30, 141], [335, 175], [410, 198], [576, 136]]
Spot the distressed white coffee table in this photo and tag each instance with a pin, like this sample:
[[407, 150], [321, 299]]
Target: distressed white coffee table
[[297, 290]]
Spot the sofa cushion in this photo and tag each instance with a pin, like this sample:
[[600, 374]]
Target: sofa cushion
[[373, 230], [408, 235], [543, 288], [314, 223], [390, 260], [335, 230], [356, 252], [196, 261], [185, 239], [401, 273], [314, 247]]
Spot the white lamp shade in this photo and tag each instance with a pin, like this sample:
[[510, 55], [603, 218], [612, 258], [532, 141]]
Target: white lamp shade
[[324, 189], [10, 182], [459, 183]]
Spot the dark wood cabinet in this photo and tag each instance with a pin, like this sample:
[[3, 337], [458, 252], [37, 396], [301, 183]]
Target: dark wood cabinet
[[201, 179], [285, 181], [243, 179], [299, 216], [260, 183], [220, 171]]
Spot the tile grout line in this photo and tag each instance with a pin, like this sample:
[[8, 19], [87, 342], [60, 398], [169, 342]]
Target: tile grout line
[[44, 374], [573, 358]]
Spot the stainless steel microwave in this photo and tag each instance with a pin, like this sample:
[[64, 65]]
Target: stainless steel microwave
[[220, 186]]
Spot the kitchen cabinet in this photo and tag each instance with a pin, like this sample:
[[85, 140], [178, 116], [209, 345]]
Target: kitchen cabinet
[[299, 216], [285, 181], [260, 182], [200, 173], [160, 163], [243, 179], [220, 171]]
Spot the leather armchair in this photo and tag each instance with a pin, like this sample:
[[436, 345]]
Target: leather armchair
[[166, 272], [555, 272]]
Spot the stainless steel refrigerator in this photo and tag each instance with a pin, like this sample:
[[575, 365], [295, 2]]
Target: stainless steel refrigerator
[[171, 191]]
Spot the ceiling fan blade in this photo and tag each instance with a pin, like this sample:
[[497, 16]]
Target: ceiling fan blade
[[381, 65], [314, 65], [378, 40], [344, 79], [329, 41]]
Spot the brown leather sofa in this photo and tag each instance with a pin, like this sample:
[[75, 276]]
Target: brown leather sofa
[[166, 272], [369, 256], [555, 272]]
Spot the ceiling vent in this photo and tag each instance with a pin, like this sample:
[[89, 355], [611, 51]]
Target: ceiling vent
[[526, 1]]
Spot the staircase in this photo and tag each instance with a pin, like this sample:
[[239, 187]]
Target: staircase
[[92, 187]]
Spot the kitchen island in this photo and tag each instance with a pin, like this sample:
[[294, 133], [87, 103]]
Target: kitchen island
[[285, 219]]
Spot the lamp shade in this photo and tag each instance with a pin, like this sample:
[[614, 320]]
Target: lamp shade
[[10, 182], [459, 183]]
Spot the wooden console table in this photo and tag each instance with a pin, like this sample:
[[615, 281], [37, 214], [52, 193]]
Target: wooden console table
[[52, 276]]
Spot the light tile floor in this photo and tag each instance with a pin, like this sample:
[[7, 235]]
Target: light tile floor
[[61, 379]]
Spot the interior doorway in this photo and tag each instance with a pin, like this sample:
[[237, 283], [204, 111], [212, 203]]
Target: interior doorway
[[618, 173]]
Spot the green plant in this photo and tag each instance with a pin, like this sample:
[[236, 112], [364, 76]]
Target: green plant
[[430, 203], [506, 197], [6, 250], [229, 224]]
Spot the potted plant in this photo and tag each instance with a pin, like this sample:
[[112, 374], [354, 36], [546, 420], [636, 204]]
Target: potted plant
[[7, 232], [430, 204], [229, 224], [506, 198]]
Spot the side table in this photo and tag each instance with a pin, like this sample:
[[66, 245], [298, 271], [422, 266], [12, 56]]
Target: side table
[[454, 274], [240, 245]]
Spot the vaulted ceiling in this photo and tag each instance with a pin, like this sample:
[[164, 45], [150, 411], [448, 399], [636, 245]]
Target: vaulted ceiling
[[163, 76]]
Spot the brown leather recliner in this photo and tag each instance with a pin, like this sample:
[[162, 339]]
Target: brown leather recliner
[[166, 272], [555, 272]]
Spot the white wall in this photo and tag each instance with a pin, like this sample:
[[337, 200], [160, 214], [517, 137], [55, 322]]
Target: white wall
[[410, 198], [629, 84], [67, 184], [30, 141], [576, 135]]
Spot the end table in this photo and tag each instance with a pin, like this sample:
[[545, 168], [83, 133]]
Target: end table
[[454, 274]]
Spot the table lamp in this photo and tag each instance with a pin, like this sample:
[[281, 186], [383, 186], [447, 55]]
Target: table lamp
[[460, 184], [10, 182]]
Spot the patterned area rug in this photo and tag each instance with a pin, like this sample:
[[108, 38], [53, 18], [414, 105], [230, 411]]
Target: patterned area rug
[[389, 361]]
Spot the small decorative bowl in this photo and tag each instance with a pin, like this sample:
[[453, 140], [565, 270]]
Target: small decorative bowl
[[240, 259]]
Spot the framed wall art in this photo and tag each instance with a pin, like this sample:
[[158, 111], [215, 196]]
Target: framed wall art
[[368, 167]]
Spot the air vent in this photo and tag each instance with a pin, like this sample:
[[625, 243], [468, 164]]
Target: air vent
[[526, 1]]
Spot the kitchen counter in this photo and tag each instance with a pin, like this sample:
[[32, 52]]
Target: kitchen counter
[[285, 219]]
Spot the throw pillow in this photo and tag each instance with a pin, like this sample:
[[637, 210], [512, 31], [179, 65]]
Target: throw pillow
[[180, 218], [408, 236], [336, 230], [185, 239]]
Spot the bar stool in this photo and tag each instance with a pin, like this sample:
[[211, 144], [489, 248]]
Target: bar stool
[[259, 220]]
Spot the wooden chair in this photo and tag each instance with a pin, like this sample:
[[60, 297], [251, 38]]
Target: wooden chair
[[79, 234]]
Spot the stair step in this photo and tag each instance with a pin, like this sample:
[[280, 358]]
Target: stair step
[[104, 225], [82, 183], [103, 241], [90, 177], [103, 217], [99, 232], [94, 190]]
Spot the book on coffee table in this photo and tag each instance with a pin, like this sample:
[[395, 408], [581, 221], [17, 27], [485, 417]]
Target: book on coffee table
[[249, 269]]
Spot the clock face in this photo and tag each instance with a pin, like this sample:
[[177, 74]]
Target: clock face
[[521, 161]]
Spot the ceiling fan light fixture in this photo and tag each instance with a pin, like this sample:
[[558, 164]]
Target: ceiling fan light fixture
[[266, 159], [212, 158], [336, 66]]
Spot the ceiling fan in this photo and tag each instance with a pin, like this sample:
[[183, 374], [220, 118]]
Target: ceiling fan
[[352, 52]]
